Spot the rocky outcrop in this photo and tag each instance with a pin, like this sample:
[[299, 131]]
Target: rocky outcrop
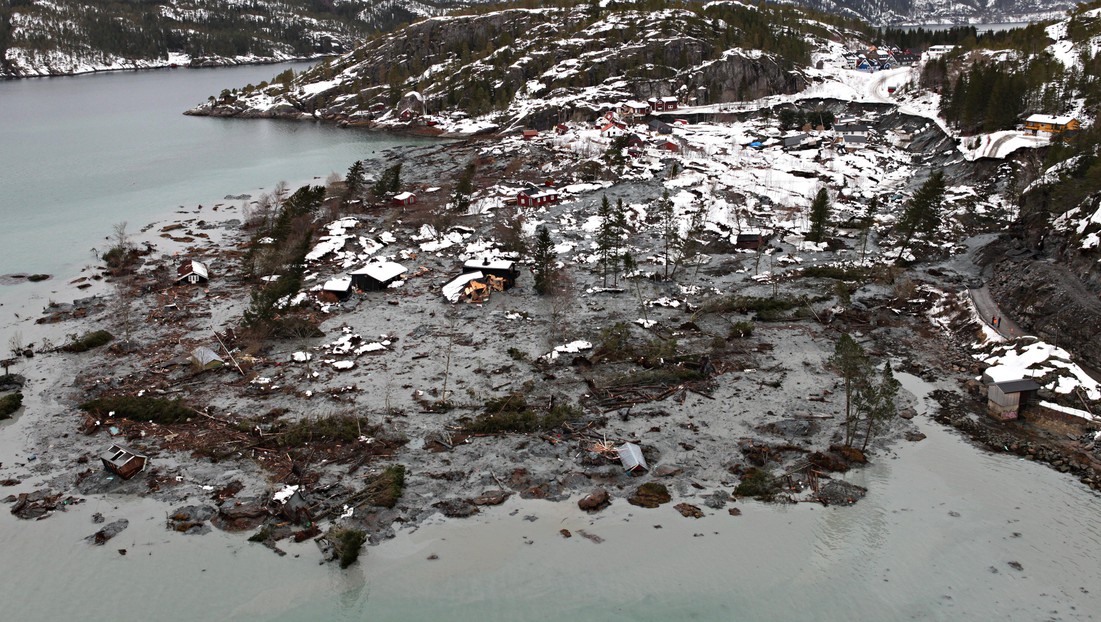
[[1049, 300], [534, 68]]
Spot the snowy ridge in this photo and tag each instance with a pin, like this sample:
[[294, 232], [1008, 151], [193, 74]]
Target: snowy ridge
[[62, 37]]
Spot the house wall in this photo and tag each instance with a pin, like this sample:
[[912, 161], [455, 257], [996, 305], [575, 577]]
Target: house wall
[[996, 397], [1051, 127]]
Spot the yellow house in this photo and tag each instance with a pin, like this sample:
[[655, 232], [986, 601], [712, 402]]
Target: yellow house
[[1051, 125]]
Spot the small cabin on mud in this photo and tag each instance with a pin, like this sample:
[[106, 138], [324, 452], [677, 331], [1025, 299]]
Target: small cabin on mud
[[192, 272], [203, 358], [376, 276], [1006, 399], [750, 241], [124, 462], [405, 198], [335, 290]]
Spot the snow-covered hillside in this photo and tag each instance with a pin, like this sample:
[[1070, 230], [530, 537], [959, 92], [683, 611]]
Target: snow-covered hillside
[[59, 37], [923, 12]]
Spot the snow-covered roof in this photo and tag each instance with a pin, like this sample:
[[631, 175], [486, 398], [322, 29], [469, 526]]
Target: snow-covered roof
[[454, 289], [339, 284], [535, 192], [192, 267], [404, 196], [1049, 119], [205, 356], [381, 271], [487, 264]]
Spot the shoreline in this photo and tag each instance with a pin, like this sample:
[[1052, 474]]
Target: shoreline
[[221, 63], [444, 475]]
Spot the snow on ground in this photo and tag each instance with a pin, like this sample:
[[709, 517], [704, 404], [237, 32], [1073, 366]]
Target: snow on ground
[[1001, 144], [1049, 365]]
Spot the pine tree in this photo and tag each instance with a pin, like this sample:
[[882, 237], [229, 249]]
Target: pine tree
[[851, 363], [670, 232], [819, 216], [544, 262], [619, 255], [866, 223], [395, 178], [354, 181], [879, 403], [464, 188], [388, 181], [922, 212], [605, 237]]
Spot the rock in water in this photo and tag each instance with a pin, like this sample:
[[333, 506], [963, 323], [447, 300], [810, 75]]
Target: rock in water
[[688, 510], [595, 501], [110, 530], [650, 495], [491, 497], [191, 519], [456, 508]]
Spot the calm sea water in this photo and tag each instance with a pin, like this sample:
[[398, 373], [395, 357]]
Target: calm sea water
[[78, 154]]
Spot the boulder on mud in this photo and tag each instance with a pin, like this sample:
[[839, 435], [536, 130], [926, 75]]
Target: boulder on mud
[[650, 495], [110, 530], [594, 501]]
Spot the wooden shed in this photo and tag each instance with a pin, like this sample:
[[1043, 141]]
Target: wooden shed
[[750, 241], [1006, 399], [123, 462], [405, 198], [339, 288]]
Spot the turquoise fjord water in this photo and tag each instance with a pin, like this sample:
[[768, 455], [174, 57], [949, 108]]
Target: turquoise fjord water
[[78, 154], [933, 540]]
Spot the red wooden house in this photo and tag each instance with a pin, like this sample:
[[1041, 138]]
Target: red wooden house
[[533, 196]]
